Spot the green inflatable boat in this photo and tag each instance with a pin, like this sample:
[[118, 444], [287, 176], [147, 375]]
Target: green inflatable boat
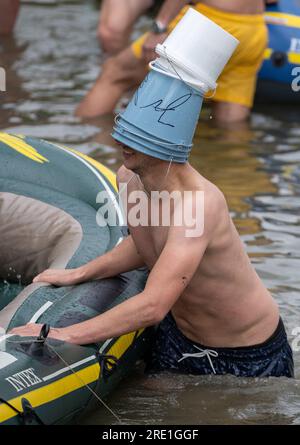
[[50, 218]]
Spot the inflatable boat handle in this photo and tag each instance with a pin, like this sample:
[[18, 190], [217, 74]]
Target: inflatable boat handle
[[44, 333]]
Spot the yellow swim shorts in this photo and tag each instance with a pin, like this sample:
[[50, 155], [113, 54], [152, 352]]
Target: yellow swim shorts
[[238, 80]]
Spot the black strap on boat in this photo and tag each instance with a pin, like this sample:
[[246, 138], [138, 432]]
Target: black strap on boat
[[44, 333], [38, 348], [108, 364], [28, 415]]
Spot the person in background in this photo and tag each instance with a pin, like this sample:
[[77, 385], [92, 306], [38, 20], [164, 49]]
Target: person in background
[[8, 16], [117, 18], [233, 99]]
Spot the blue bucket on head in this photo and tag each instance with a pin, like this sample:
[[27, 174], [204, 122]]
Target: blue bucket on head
[[152, 147], [121, 122], [123, 126], [164, 108]]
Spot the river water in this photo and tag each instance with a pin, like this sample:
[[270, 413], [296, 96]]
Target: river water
[[51, 61]]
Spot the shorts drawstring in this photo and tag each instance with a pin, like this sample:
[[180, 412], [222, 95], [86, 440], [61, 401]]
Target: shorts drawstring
[[203, 353]]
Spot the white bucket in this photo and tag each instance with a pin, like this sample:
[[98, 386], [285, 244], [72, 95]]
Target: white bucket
[[173, 70], [179, 74], [197, 48]]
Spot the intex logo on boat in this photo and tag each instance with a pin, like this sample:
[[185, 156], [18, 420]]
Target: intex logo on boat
[[2, 79], [155, 209], [24, 379]]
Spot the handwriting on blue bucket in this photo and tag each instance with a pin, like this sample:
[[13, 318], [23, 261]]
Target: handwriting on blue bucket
[[172, 106]]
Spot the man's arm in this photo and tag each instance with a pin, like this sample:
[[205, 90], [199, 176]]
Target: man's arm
[[168, 279], [166, 14], [169, 11], [122, 258], [171, 274]]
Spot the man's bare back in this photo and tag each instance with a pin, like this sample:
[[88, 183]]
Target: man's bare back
[[225, 304]]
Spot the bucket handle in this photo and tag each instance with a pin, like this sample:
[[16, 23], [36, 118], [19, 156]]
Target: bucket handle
[[172, 59], [167, 144], [190, 85], [178, 77]]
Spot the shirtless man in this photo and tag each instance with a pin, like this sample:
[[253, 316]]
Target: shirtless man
[[214, 314], [233, 99]]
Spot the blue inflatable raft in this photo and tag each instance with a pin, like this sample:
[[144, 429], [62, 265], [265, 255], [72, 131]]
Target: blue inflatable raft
[[279, 77]]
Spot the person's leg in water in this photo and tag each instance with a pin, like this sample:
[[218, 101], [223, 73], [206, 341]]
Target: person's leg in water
[[234, 96], [117, 18], [119, 74], [233, 99], [9, 12], [229, 112]]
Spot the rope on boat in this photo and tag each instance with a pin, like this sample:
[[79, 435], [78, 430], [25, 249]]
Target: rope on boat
[[86, 385], [41, 339]]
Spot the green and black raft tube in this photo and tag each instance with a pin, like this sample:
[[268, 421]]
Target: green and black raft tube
[[50, 218]]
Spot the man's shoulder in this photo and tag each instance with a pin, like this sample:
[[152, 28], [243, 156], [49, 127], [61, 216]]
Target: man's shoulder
[[216, 211], [214, 207], [214, 198]]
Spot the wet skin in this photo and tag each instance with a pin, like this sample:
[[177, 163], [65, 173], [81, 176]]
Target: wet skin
[[225, 302], [207, 281]]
